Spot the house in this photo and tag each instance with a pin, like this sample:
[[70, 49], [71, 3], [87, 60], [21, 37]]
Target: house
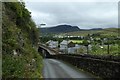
[[71, 50], [52, 44], [70, 44], [74, 49], [67, 46], [63, 45]]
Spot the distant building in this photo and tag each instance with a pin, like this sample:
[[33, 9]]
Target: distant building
[[63, 45], [70, 44], [52, 44], [74, 49], [77, 46], [67, 46], [90, 47]]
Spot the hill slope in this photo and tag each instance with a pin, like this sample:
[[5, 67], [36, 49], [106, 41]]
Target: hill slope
[[104, 32], [60, 29], [19, 41]]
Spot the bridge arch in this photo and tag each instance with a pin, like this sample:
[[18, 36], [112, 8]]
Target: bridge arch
[[44, 53]]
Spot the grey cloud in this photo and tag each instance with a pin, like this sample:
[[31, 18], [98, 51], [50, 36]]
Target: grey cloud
[[82, 14]]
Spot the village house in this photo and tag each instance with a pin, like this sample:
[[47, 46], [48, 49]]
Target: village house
[[52, 44], [63, 45], [74, 49], [67, 46]]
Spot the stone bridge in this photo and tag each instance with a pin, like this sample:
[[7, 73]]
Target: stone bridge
[[46, 52]]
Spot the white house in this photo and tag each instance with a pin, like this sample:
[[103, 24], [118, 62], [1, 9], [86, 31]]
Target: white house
[[71, 50], [74, 49], [67, 46], [77, 46], [52, 44], [63, 45]]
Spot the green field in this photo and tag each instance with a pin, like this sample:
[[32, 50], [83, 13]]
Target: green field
[[101, 50], [105, 32], [114, 50], [77, 41]]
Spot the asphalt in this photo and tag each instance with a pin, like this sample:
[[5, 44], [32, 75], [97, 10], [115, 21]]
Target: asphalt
[[58, 69]]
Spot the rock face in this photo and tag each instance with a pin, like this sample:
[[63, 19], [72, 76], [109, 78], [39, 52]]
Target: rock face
[[19, 36], [17, 27]]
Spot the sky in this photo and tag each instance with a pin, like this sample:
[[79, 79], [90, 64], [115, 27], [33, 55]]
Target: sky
[[84, 14]]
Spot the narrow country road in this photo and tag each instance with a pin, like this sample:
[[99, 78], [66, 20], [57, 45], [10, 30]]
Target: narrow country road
[[57, 69]]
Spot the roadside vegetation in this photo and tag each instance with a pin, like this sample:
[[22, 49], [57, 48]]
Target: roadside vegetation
[[20, 38]]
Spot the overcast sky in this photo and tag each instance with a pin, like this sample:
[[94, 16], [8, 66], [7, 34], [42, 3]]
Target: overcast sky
[[86, 15]]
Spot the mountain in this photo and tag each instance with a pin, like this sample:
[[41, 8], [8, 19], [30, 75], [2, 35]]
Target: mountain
[[59, 29], [64, 29]]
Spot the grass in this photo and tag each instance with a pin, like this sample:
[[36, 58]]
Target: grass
[[101, 50], [105, 32], [77, 41], [27, 63], [104, 51], [22, 65]]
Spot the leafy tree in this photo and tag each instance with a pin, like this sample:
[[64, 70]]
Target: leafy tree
[[86, 43], [109, 42]]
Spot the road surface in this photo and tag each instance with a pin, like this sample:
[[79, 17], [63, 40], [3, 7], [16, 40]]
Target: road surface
[[57, 69]]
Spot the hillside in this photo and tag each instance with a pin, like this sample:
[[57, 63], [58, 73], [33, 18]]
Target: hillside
[[63, 29], [20, 58], [105, 32], [59, 29]]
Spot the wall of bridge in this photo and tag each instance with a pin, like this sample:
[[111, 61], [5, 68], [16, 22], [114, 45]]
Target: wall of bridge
[[44, 53], [102, 68]]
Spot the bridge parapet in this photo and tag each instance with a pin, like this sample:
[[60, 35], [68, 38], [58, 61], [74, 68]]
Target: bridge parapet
[[99, 67], [51, 51], [46, 52]]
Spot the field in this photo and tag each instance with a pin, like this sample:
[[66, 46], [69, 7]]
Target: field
[[100, 50], [105, 32], [103, 50], [77, 41]]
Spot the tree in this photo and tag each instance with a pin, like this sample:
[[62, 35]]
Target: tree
[[108, 43], [86, 43]]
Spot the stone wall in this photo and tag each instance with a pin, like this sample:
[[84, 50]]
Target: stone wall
[[99, 67]]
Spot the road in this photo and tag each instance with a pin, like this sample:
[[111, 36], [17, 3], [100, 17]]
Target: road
[[58, 69]]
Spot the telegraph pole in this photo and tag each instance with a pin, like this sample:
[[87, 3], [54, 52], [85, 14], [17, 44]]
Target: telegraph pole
[[67, 43], [108, 46]]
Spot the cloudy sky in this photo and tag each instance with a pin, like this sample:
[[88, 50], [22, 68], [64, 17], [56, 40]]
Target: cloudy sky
[[86, 15]]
